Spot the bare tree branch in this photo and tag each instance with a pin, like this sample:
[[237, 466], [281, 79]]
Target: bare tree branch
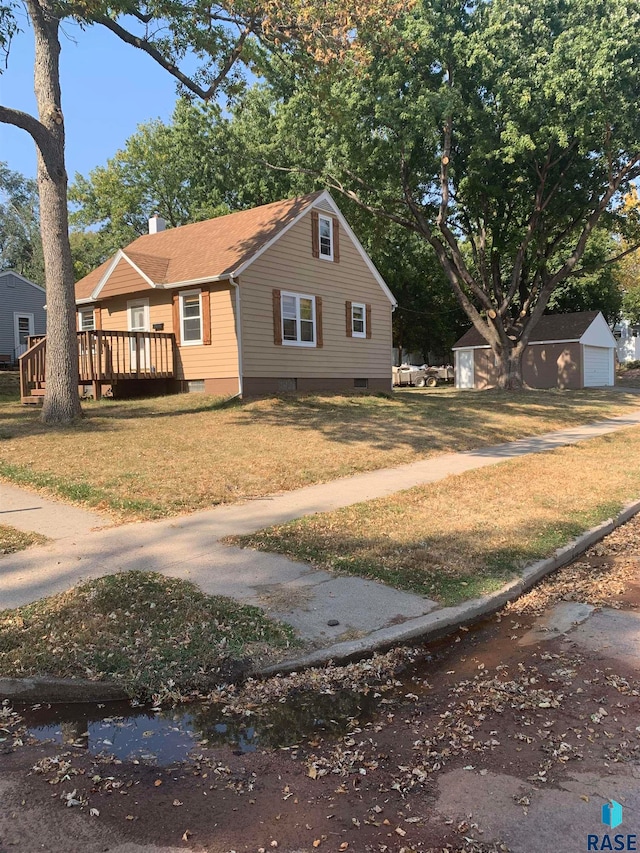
[[188, 82], [38, 132]]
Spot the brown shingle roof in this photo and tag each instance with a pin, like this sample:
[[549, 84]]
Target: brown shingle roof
[[550, 327], [215, 247]]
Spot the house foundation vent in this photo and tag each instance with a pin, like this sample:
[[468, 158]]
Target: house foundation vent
[[195, 386], [287, 384], [360, 383]]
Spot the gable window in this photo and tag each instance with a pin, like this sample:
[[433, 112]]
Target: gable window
[[325, 235], [86, 322], [298, 314], [191, 317], [358, 320]]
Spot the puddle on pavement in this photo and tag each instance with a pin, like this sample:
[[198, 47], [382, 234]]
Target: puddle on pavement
[[169, 736]]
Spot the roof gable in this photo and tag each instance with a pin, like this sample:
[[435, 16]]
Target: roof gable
[[214, 249], [22, 279], [599, 334], [550, 327]]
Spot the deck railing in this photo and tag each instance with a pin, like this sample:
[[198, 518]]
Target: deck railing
[[105, 357]]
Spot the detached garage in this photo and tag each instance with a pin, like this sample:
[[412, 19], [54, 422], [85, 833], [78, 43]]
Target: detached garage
[[565, 351]]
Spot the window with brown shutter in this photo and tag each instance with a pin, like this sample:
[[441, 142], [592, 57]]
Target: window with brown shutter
[[315, 234], [368, 321], [348, 319], [176, 317], [206, 316], [277, 318], [319, 337], [336, 241]]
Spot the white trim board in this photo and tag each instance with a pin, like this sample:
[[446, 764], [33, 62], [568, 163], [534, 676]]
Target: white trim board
[[119, 255]]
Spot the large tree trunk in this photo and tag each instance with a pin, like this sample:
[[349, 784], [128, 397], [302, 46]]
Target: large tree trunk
[[509, 364], [61, 401]]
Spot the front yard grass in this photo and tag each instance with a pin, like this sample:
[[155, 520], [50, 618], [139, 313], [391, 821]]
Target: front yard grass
[[155, 635], [176, 454], [12, 540], [468, 534]]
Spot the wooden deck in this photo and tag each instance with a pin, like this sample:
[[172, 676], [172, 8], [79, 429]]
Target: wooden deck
[[105, 358]]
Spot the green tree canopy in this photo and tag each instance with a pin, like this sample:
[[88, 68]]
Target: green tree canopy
[[503, 134], [20, 244]]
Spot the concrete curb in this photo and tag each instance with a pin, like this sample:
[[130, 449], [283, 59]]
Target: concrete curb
[[449, 619], [45, 689], [429, 627]]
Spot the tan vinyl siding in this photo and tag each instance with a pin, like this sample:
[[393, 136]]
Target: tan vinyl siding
[[290, 266], [124, 279], [218, 360]]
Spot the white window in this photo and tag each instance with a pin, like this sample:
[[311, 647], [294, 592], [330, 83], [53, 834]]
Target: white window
[[298, 319], [85, 320], [358, 320], [325, 237], [191, 317]]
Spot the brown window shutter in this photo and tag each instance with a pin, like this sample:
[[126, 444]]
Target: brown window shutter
[[77, 321], [97, 317], [205, 298], [176, 317], [277, 318], [336, 241], [347, 316], [319, 337], [368, 313], [315, 234]]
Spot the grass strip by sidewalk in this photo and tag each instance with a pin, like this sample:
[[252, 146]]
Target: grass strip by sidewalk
[[147, 458], [12, 540], [154, 634], [468, 534]]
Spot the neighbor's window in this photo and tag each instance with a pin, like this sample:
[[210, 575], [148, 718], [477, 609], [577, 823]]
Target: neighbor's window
[[358, 320], [298, 319], [86, 320], [191, 317], [325, 235]]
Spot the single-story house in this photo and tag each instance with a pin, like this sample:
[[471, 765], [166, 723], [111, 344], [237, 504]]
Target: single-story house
[[22, 314], [278, 298], [564, 351]]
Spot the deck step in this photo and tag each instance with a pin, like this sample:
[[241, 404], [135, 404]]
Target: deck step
[[32, 400], [38, 392]]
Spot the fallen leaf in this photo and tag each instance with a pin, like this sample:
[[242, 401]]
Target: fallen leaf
[[177, 803], [158, 782]]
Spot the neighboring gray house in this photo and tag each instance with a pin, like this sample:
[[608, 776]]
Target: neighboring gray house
[[21, 314]]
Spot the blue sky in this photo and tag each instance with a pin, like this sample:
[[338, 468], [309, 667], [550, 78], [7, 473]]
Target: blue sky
[[108, 89]]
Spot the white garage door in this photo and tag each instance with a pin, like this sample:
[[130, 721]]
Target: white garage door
[[597, 366]]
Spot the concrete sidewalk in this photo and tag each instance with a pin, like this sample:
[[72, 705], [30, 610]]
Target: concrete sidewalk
[[189, 547]]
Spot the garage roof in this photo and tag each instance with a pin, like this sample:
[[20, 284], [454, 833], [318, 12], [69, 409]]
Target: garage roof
[[550, 327]]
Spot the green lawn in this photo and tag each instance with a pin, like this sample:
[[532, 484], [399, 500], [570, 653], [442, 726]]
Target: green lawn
[[176, 454], [466, 535]]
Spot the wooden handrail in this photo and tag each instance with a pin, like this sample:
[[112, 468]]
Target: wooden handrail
[[31, 365], [105, 357]]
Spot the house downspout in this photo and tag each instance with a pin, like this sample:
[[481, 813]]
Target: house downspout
[[238, 333]]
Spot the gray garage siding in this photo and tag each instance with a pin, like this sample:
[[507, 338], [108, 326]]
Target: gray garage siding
[[19, 296]]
